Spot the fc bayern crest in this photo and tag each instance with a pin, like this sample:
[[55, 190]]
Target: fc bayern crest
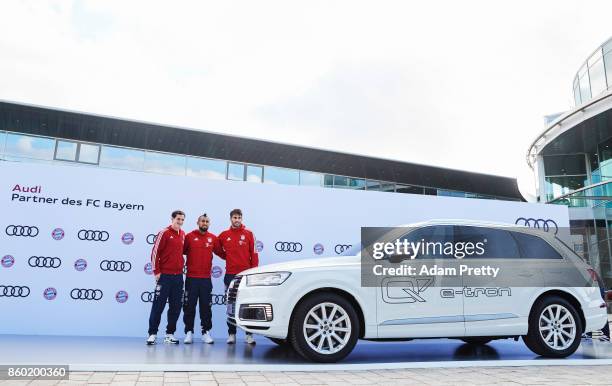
[[127, 238], [318, 248], [50, 293], [216, 271], [58, 234], [121, 296], [148, 269], [80, 265], [8, 261], [259, 246]]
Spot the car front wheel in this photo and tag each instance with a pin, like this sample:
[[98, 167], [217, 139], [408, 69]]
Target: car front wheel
[[325, 328], [554, 328]]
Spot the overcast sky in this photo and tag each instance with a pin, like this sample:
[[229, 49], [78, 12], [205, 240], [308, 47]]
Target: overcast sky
[[460, 84]]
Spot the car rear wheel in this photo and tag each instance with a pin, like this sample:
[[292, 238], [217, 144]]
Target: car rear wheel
[[325, 328], [554, 328]]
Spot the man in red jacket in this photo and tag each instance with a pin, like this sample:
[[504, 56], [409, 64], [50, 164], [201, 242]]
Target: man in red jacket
[[239, 247], [167, 261], [199, 247]]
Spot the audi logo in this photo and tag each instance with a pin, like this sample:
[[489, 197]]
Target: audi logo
[[147, 297], [288, 246], [14, 291], [218, 300], [116, 266], [92, 235], [151, 238], [21, 230], [340, 248], [86, 294], [538, 223], [44, 262]]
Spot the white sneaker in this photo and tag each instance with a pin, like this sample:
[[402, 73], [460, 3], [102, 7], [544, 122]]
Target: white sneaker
[[206, 338], [170, 339], [231, 339], [151, 339], [188, 338], [249, 339]]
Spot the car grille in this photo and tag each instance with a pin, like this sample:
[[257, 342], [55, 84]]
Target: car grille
[[232, 291]]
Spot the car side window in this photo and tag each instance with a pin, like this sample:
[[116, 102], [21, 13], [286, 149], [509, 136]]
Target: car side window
[[534, 247], [436, 236], [496, 243]]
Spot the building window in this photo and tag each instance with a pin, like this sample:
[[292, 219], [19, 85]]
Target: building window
[[357, 184], [164, 163], [206, 168], [380, 186], [2, 141], [254, 173], [585, 88], [29, 147], [235, 172], [122, 158], [89, 154], [311, 178], [559, 165], [281, 176], [408, 189], [66, 150], [608, 66], [560, 185], [450, 193], [598, 77]]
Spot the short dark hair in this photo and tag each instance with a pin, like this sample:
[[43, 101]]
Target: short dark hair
[[178, 213], [202, 215], [236, 211]]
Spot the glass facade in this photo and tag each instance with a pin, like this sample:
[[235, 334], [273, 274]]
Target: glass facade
[[21, 147], [595, 75]]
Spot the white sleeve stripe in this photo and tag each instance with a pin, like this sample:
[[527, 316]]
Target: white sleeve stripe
[[155, 247]]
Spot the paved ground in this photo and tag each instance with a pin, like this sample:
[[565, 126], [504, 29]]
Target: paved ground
[[536, 375]]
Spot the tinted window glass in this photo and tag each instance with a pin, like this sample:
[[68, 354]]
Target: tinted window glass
[[30, 147], [310, 178], [207, 168], [89, 153], [116, 157], [254, 173], [498, 243], [164, 163], [282, 176], [533, 247], [435, 237], [66, 151], [235, 172]]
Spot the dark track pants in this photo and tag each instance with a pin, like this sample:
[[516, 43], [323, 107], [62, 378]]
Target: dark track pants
[[227, 279], [169, 289], [197, 289]]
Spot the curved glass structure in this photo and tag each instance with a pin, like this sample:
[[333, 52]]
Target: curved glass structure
[[595, 75], [572, 161]]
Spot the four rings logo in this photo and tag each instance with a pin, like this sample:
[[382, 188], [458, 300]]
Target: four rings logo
[[86, 294], [14, 291], [21, 230], [92, 235], [217, 300], [117, 266], [538, 223], [288, 246], [44, 262], [147, 296], [340, 248], [151, 238]]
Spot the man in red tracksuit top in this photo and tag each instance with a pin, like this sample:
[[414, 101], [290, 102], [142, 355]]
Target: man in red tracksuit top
[[199, 247], [240, 254], [167, 261]]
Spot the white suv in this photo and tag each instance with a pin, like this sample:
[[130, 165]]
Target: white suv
[[319, 306]]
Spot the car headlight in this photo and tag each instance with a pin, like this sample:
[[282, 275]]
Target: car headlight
[[267, 279]]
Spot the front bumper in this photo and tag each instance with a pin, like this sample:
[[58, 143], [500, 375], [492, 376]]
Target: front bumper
[[247, 306]]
